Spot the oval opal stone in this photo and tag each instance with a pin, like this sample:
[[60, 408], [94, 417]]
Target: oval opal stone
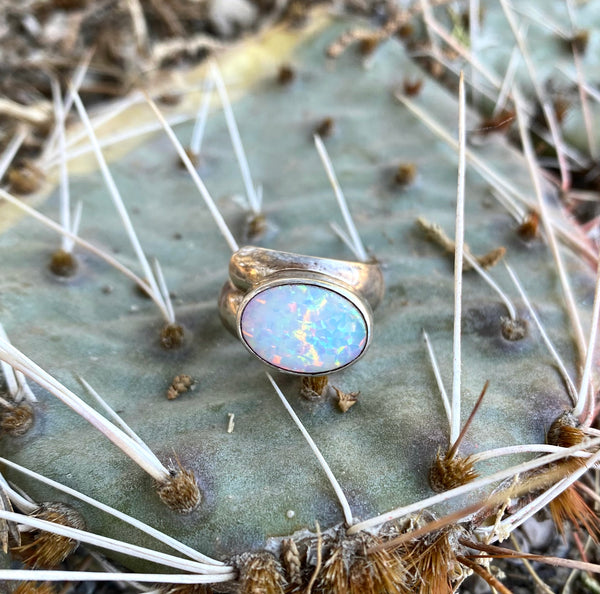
[[304, 328]]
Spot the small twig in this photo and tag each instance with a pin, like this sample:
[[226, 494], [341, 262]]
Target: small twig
[[487, 577], [37, 114], [313, 577], [140, 30]]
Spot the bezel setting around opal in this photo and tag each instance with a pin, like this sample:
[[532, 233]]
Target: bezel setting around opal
[[326, 301]]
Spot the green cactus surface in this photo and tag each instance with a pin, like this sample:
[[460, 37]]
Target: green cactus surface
[[261, 479]]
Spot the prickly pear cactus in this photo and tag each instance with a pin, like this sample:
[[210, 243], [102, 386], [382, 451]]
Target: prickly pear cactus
[[257, 476]]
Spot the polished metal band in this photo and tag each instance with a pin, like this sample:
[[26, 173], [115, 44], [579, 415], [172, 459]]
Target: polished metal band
[[250, 267]]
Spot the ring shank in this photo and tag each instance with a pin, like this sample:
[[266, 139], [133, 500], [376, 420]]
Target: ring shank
[[251, 266]]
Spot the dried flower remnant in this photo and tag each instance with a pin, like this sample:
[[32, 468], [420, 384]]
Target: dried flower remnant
[[45, 549], [346, 400], [180, 384], [314, 387]]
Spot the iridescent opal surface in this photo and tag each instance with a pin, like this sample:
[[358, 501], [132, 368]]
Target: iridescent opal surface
[[304, 328]]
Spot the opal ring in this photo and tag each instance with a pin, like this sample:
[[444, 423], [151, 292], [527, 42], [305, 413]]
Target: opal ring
[[301, 314]]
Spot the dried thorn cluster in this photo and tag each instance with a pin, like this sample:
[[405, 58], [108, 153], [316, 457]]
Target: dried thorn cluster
[[314, 387], [181, 384], [346, 400], [63, 263], [433, 564], [448, 471], [25, 178], [180, 492], [171, 336], [43, 549], [406, 173], [291, 562], [187, 589], [528, 230], [570, 508], [260, 572], [34, 588], [364, 564], [565, 431], [256, 226], [16, 420], [513, 330]]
